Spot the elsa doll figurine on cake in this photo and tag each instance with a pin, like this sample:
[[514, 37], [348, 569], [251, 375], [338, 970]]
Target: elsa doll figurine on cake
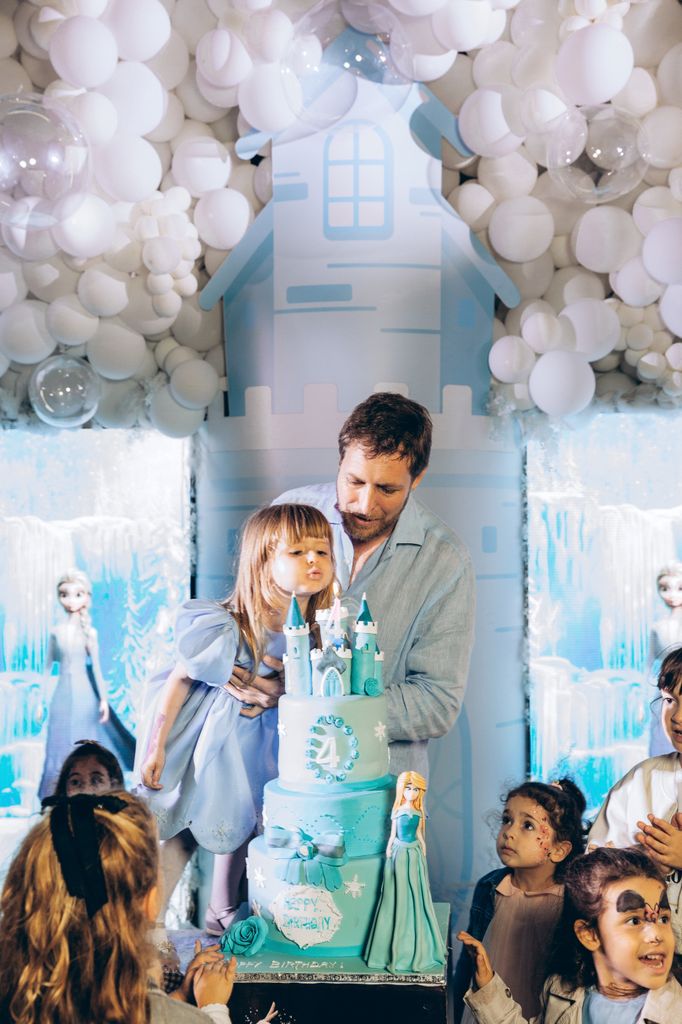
[[405, 937], [666, 634], [79, 708]]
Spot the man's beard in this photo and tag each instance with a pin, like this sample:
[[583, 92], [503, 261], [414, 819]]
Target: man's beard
[[361, 531]]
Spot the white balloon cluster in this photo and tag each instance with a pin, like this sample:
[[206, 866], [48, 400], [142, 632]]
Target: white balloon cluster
[[572, 111]]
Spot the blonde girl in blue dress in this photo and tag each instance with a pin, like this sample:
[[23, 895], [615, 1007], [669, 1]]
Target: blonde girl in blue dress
[[203, 756]]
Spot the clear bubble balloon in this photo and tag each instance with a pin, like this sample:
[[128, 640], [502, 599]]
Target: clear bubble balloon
[[326, 58], [593, 153], [64, 391], [44, 155]]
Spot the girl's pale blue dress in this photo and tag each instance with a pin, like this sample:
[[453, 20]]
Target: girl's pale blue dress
[[217, 761], [405, 937]]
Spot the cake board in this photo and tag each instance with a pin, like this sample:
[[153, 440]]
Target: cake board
[[336, 990]]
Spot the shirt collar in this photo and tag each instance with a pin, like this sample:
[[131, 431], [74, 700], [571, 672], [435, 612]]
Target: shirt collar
[[506, 888], [409, 529]]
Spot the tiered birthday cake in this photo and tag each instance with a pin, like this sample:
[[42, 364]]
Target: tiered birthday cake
[[315, 873]]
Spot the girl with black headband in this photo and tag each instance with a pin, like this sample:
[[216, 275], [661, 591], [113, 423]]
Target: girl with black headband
[[75, 911]]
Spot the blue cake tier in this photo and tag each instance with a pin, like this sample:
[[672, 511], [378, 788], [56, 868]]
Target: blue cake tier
[[332, 743], [363, 816], [311, 920]]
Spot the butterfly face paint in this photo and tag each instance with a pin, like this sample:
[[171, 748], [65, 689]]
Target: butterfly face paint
[[526, 839], [635, 935]]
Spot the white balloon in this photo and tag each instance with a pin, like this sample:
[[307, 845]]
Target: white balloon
[[462, 26], [605, 238], [633, 285], [596, 326], [23, 335], [119, 404], [532, 277], [543, 332], [178, 355], [69, 323], [83, 51], [562, 383], [171, 63], [660, 137], [511, 359], [222, 217], [521, 229], [662, 251], [168, 304], [103, 290], [263, 102], [483, 125], [128, 168], [222, 58], [201, 164], [161, 255], [654, 205], [172, 419], [115, 351], [141, 27], [49, 280], [670, 308], [13, 285], [140, 314], [506, 177], [19, 233], [638, 96], [137, 95], [194, 384], [196, 106], [86, 225], [593, 64], [197, 328], [473, 203]]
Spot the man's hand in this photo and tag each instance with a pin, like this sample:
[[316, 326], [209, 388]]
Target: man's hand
[[662, 841], [263, 691]]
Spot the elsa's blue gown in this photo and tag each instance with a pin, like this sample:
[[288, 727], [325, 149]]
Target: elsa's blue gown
[[217, 761], [405, 937]]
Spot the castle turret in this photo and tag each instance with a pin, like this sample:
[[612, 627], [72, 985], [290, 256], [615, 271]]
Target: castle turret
[[367, 664], [297, 668]]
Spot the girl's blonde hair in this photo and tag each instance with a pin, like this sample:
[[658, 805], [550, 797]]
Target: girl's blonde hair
[[81, 579], [58, 965], [255, 592], [410, 779]]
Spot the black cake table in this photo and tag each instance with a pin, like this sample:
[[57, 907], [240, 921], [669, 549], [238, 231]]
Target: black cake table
[[319, 990]]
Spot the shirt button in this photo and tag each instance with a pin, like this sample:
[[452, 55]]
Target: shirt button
[[507, 992]]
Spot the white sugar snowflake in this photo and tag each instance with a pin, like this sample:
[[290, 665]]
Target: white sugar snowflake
[[281, 729], [354, 887], [380, 731], [259, 878]]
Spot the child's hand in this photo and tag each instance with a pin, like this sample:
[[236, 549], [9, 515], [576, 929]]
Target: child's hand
[[483, 972], [210, 955], [213, 982], [262, 690], [103, 711], [662, 841], [152, 768], [270, 1015]]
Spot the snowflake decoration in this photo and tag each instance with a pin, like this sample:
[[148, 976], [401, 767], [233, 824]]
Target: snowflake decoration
[[380, 731], [354, 887], [281, 729], [259, 878]]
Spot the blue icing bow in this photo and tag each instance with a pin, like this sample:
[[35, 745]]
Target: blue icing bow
[[314, 860]]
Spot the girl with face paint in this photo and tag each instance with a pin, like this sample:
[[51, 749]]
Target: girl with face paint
[[612, 952], [515, 909]]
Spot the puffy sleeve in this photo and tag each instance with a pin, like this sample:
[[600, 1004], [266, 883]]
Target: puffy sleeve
[[206, 641]]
